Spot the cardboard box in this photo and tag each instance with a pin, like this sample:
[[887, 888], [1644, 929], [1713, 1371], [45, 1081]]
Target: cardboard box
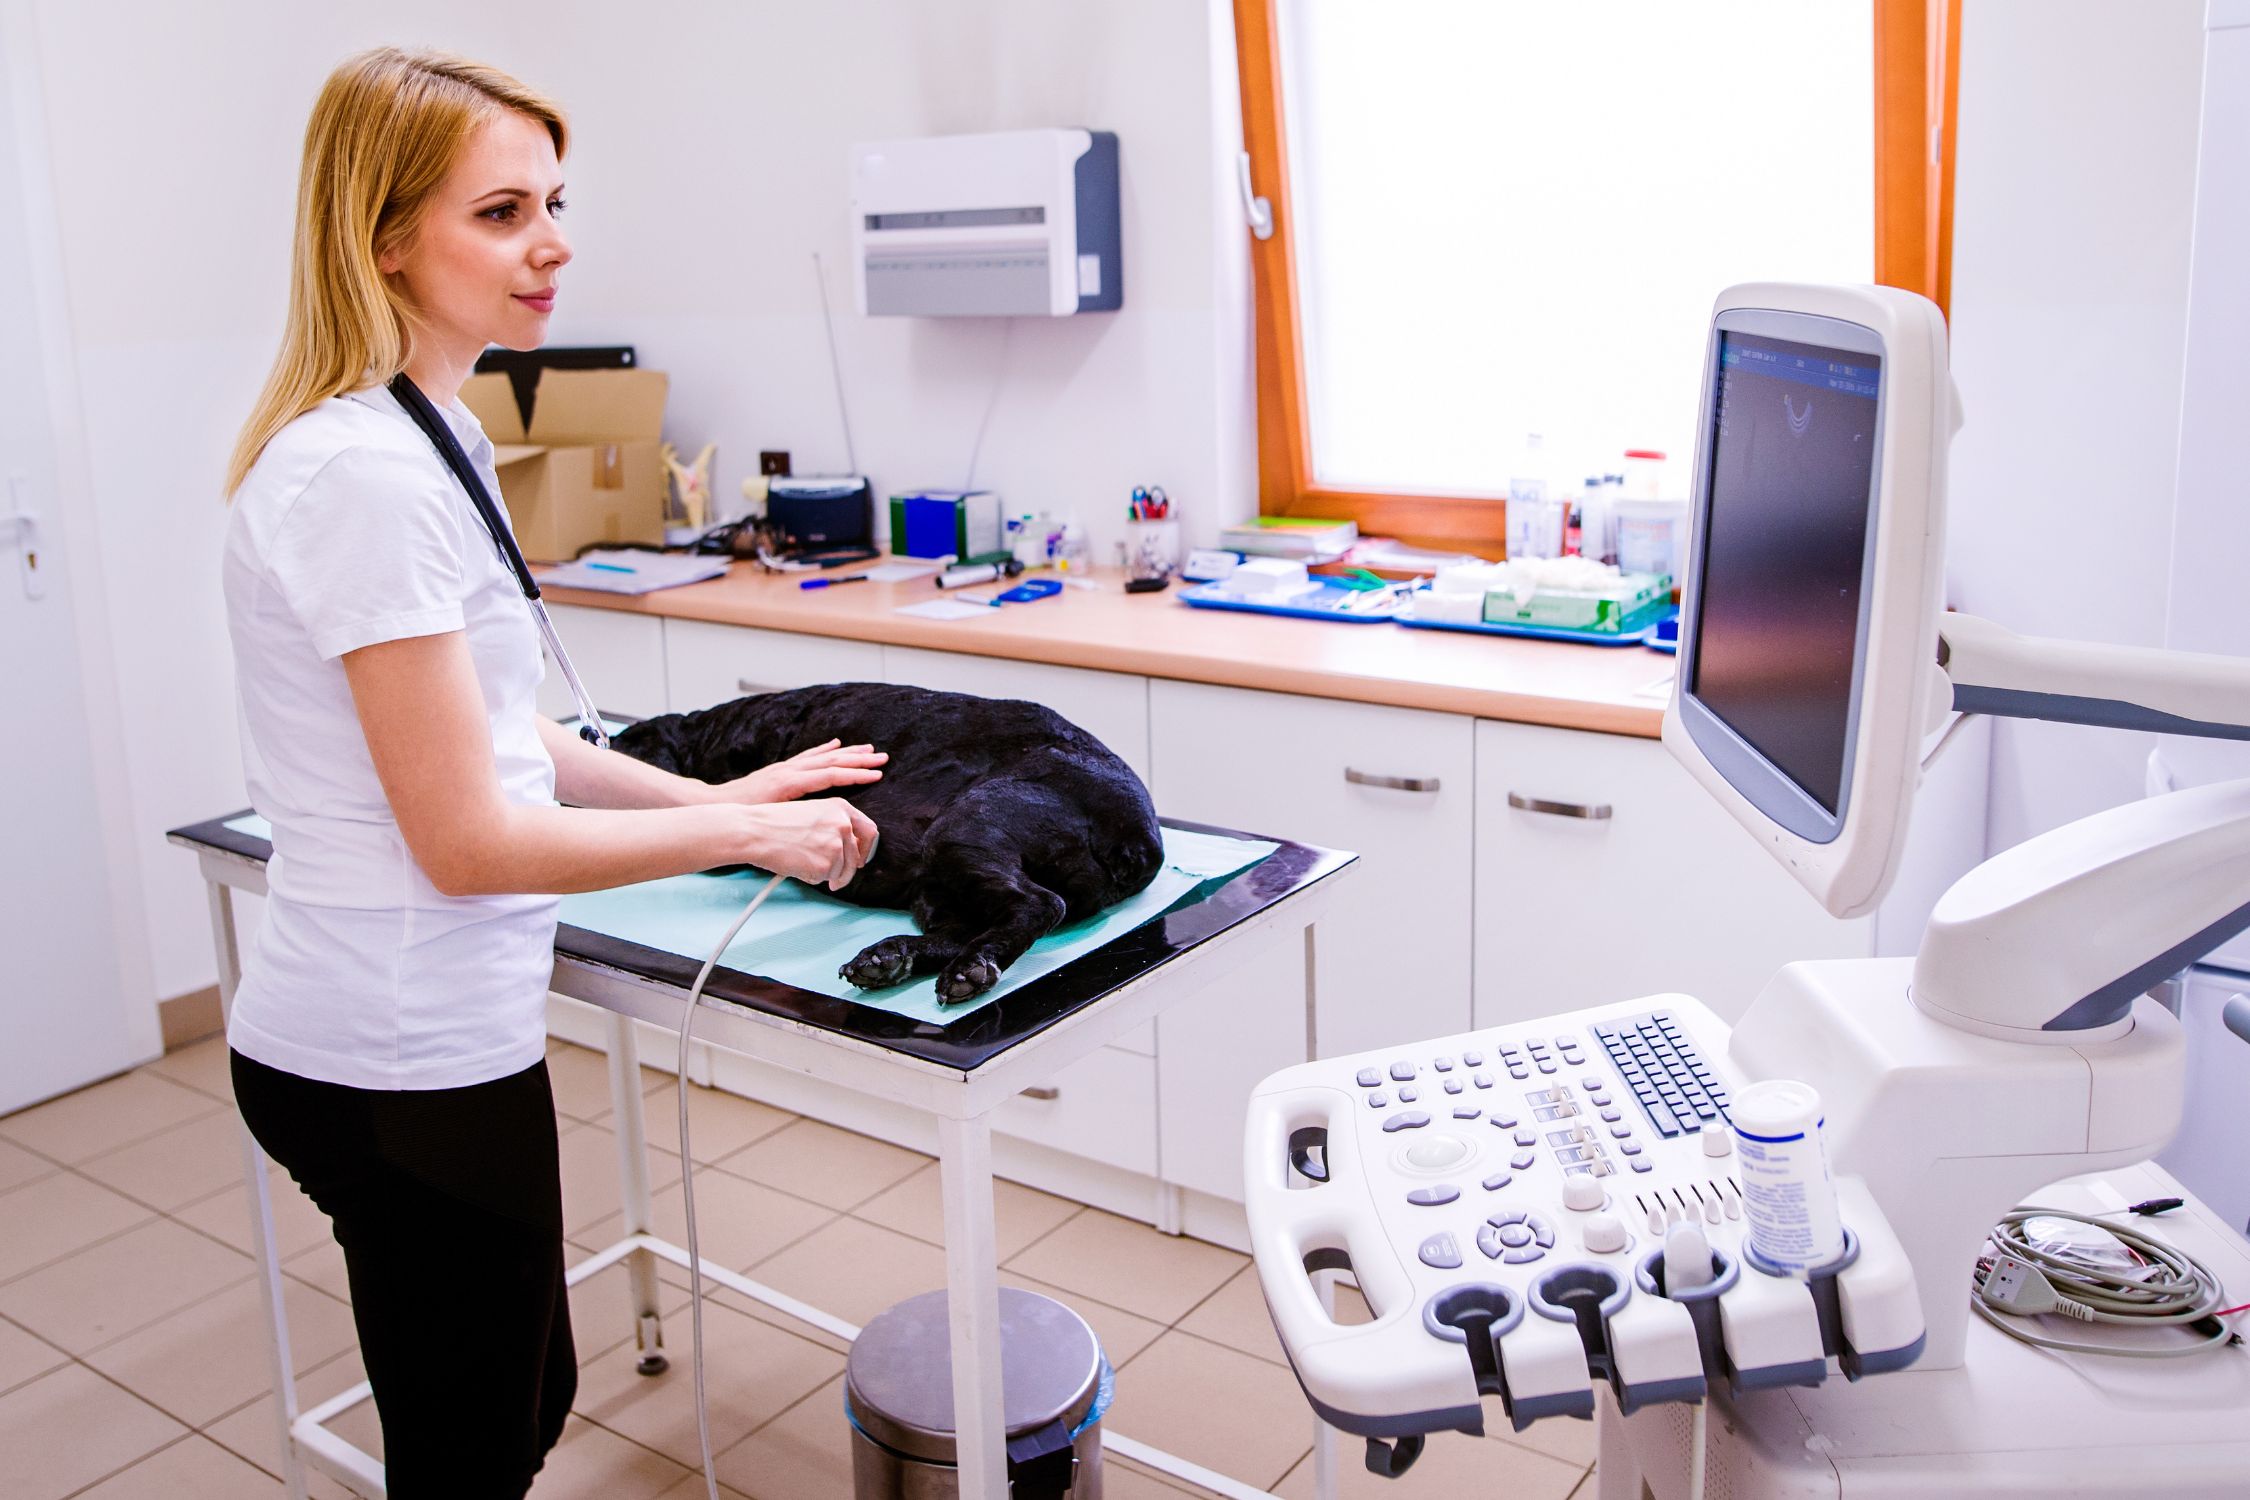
[[589, 467]]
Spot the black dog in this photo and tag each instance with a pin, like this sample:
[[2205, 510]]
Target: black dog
[[998, 820]]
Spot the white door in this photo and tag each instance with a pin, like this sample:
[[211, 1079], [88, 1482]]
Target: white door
[[63, 998]]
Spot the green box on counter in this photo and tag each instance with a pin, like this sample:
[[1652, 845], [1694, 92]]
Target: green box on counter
[[1610, 609], [941, 523]]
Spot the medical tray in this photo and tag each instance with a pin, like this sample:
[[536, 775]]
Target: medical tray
[[1328, 604], [1636, 630]]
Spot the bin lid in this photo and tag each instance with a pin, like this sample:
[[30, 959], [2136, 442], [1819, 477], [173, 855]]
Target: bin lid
[[898, 1381]]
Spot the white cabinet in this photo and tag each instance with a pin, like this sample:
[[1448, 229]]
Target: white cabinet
[[619, 657], [1391, 785], [1102, 1107], [1603, 871], [708, 664], [1110, 706]]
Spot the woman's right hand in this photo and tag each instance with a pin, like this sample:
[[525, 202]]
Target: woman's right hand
[[823, 841]]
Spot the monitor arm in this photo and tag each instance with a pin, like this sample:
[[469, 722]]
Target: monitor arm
[[1997, 672]]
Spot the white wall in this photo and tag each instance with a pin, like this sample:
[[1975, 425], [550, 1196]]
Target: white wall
[[708, 164], [2074, 189]]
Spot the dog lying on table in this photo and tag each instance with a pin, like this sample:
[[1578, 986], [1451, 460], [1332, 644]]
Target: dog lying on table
[[998, 820]]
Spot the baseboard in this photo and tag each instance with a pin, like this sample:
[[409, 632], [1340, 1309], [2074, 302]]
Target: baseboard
[[190, 1017]]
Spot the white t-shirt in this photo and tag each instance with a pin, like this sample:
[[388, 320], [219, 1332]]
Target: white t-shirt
[[351, 531]]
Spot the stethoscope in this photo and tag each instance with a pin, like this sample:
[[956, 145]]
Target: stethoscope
[[434, 427]]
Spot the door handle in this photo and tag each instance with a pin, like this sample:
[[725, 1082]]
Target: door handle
[[1358, 777], [1597, 812], [1045, 1091], [21, 526]]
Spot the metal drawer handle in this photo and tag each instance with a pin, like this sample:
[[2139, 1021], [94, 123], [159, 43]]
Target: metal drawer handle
[[1358, 777], [1594, 811], [1044, 1091], [745, 685]]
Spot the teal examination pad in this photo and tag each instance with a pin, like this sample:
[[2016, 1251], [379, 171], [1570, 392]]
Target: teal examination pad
[[803, 935]]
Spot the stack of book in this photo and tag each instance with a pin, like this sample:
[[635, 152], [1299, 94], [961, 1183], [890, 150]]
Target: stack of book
[[1309, 539]]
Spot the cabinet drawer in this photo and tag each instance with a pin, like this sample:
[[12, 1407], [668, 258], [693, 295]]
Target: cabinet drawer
[[1393, 786], [1110, 706], [708, 664], [1104, 1107], [1604, 872], [619, 657]]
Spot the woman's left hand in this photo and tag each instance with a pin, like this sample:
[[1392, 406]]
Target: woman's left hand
[[816, 770]]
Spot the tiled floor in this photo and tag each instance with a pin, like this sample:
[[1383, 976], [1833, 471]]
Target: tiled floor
[[133, 1365]]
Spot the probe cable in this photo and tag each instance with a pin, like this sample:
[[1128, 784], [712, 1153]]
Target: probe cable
[[687, 1186], [2170, 1288]]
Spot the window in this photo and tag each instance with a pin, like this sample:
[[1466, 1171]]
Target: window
[[1500, 225]]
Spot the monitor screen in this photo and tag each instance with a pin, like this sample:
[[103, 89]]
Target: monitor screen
[[1784, 552]]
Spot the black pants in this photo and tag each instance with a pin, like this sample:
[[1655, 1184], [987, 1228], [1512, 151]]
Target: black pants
[[448, 1205]]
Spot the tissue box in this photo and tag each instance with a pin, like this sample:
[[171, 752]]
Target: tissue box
[[587, 468], [1607, 609], [942, 523]]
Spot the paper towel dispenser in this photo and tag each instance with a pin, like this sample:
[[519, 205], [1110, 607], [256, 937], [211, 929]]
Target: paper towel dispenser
[[1018, 223]]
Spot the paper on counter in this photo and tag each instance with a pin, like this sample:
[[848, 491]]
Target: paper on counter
[[944, 609], [900, 572]]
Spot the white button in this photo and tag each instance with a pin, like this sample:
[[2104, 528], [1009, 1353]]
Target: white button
[[1604, 1234], [1718, 1140], [1437, 1152], [1583, 1194]]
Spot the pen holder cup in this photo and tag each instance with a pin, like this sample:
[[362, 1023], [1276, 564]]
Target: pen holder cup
[[1152, 548]]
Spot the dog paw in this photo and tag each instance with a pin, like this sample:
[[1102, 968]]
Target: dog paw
[[878, 966], [967, 980]]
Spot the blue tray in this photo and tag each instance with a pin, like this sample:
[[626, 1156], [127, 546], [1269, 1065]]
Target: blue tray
[[1664, 635], [1320, 606], [1640, 628]]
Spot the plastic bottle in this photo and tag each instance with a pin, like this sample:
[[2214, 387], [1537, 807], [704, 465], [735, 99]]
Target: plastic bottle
[[1597, 526], [1788, 1197]]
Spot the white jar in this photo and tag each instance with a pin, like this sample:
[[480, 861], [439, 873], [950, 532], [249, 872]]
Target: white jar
[[1651, 536], [1788, 1197]]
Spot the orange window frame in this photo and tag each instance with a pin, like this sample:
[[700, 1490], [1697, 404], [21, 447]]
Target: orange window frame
[[1917, 73]]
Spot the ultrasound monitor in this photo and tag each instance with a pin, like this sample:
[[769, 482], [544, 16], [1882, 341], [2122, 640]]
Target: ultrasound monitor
[[1808, 629]]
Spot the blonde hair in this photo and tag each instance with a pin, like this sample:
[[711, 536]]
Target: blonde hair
[[386, 130]]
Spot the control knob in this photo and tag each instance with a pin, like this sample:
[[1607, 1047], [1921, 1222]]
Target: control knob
[[1583, 1193], [1605, 1234]]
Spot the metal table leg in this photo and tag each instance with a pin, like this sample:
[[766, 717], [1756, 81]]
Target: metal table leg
[[629, 1120], [225, 943], [972, 1279]]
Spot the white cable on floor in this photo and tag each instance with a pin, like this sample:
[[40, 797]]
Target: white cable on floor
[[687, 1187]]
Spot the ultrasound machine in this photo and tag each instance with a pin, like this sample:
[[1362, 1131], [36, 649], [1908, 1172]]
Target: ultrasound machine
[[1547, 1219]]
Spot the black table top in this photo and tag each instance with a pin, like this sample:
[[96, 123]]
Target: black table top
[[981, 1034]]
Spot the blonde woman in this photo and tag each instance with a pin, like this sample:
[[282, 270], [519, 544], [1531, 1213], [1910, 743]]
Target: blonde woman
[[389, 1031]]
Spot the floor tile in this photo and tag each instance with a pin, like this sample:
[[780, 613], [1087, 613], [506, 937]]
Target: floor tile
[[103, 1116], [1129, 1265], [1564, 1438], [589, 1174], [1122, 1479], [693, 1488], [854, 1270], [204, 1066], [803, 1454], [298, 1223], [323, 1267], [109, 1429], [824, 1164], [110, 1289], [580, 1077], [1235, 1315], [591, 1463], [210, 1357], [1452, 1465], [251, 1431], [1120, 1333], [719, 1123], [18, 1166], [754, 1372], [194, 1468], [737, 1223], [602, 1318], [1215, 1406], [177, 1165], [24, 1356], [917, 1207], [52, 1217]]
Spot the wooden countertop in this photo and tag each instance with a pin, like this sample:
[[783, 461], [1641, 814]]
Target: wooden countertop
[[1492, 677]]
